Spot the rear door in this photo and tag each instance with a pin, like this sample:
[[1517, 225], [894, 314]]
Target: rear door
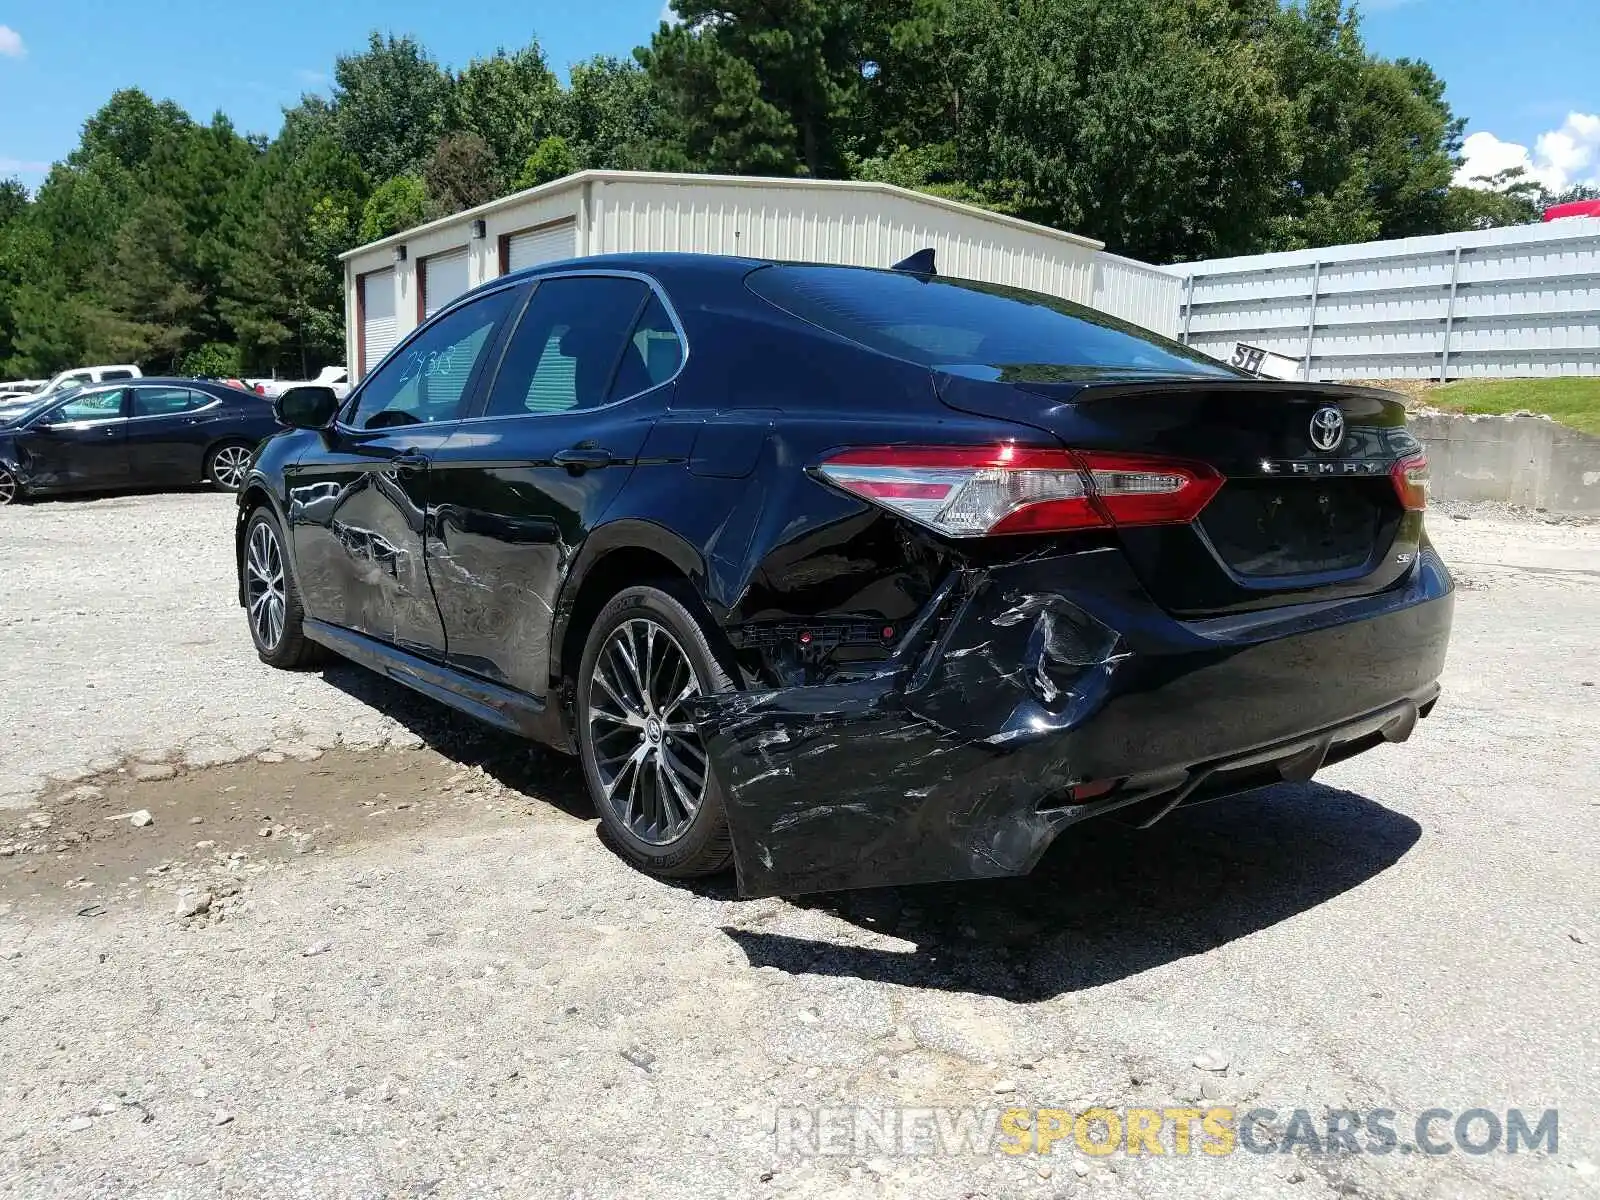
[[516, 491], [80, 443], [358, 497], [165, 441]]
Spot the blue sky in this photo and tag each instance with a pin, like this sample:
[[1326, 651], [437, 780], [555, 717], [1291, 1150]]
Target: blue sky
[[1525, 74]]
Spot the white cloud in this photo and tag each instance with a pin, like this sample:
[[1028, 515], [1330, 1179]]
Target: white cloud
[[11, 43], [667, 15], [23, 167], [1559, 158]]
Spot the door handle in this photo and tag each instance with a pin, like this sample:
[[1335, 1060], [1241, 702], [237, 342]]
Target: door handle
[[578, 459], [410, 460]]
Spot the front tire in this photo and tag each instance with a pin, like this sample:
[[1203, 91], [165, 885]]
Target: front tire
[[272, 599], [227, 465], [660, 805], [10, 489]]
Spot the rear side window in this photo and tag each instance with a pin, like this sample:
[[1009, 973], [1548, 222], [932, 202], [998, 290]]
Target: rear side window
[[568, 352], [956, 322], [166, 401], [108, 376]]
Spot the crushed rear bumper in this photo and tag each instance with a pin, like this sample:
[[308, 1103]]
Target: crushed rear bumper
[[956, 760]]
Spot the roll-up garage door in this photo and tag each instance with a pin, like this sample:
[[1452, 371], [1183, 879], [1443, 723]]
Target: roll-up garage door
[[550, 244], [377, 317], [444, 277]]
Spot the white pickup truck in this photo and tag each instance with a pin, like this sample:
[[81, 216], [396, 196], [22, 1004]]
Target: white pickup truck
[[338, 378]]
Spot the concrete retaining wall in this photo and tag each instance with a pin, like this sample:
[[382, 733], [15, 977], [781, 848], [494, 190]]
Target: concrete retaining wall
[[1529, 461]]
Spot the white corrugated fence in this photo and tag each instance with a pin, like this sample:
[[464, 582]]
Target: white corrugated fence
[[1496, 302]]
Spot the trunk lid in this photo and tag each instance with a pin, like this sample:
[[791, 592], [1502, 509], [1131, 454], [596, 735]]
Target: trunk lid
[[1307, 512]]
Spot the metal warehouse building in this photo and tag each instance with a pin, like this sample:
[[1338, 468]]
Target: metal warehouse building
[[392, 285]]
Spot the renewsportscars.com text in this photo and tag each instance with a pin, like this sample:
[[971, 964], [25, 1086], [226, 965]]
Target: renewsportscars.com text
[[1179, 1130]]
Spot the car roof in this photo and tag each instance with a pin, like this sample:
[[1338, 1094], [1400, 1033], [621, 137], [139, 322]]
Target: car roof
[[204, 385], [658, 264]]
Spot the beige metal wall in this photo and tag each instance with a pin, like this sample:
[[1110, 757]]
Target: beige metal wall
[[859, 224], [856, 224]]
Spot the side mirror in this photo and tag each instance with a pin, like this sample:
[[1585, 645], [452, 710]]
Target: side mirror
[[310, 406]]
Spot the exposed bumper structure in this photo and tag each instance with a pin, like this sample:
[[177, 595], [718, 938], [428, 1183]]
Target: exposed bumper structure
[[1023, 682]]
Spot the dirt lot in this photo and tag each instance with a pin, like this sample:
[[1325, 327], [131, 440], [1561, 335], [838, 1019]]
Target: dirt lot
[[362, 948]]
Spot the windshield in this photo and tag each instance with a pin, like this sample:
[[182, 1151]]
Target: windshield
[[25, 408], [957, 322]]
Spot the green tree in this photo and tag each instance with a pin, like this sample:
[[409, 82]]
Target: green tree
[[128, 130], [715, 116], [510, 101], [298, 209], [13, 201], [613, 116], [1155, 127], [395, 204], [1508, 197], [552, 160], [215, 360], [389, 105], [460, 174]]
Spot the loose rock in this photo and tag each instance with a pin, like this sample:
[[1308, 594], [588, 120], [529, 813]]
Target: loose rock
[[1211, 1060]]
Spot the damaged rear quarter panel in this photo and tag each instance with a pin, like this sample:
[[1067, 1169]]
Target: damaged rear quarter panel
[[930, 766]]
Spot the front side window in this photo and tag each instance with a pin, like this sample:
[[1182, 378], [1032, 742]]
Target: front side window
[[92, 406], [428, 380], [166, 401], [567, 353]]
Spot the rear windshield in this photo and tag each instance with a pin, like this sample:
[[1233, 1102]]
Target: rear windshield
[[956, 322]]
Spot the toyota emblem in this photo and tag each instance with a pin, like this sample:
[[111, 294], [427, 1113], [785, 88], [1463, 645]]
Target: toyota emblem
[[1327, 428]]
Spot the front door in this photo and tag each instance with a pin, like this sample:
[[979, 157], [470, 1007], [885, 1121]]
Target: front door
[[357, 503], [80, 444], [515, 491]]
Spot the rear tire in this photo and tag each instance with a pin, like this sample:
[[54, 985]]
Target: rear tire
[[659, 803], [10, 489], [272, 598], [227, 465]]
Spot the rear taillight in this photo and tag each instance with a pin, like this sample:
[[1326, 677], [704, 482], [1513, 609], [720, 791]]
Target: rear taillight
[[978, 491], [1410, 477]]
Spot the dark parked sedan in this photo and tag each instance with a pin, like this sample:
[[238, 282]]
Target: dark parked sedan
[[150, 433], [854, 577]]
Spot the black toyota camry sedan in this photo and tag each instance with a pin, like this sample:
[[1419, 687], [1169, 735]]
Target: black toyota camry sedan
[[148, 433], [851, 577]]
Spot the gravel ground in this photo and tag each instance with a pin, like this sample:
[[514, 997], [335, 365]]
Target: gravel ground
[[393, 959]]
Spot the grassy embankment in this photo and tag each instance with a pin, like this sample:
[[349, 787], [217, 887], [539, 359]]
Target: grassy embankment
[[1573, 401]]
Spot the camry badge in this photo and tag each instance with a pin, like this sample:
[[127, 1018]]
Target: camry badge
[[1327, 428]]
